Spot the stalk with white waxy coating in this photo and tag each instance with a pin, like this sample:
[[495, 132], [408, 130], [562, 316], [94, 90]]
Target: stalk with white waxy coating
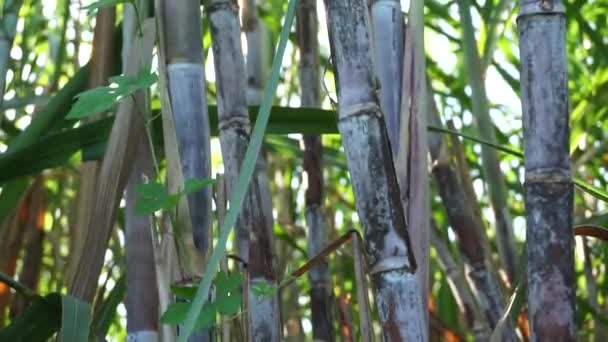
[[389, 36], [187, 90], [368, 155], [548, 185], [321, 293], [252, 228]]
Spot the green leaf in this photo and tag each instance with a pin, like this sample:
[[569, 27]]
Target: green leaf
[[184, 292], [75, 319], [505, 149], [591, 189], [206, 318], [194, 185], [107, 312], [175, 313], [100, 99], [229, 304], [228, 293], [151, 197], [38, 322], [263, 290], [225, 282]]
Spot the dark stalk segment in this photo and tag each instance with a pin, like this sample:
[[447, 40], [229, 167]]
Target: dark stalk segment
[[467, 224], [548, 186], [321, 293], [253, 228], [365, 140], [186, 78]]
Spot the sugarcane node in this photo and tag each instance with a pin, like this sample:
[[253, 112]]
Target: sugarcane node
[[222, 5], [544, 7], [359, 109]]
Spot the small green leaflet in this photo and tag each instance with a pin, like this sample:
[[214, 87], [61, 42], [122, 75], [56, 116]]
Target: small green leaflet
[[194, 185], [103, 3], [75, 319], [228, 294], [263, 290], [228, 300], [176, 314], [100, 99], [152, 197]]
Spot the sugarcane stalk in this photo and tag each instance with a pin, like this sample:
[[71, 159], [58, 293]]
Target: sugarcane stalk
[[365, 140], [548, 185], [187, 92], [321, 294], [142, 297], [252, 228], [389, 37], [467, 225]]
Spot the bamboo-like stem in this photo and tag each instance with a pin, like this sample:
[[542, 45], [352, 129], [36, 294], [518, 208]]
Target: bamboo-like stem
[[142, 298], [142, 290], [252, 228], [467, 225], [490, 161], [186, 82], [548, 185], [454, 272], [113, 176], [389, 37], [365, 141], [321, 293]]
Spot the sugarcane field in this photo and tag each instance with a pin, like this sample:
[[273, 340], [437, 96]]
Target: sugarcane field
[[303, 170]]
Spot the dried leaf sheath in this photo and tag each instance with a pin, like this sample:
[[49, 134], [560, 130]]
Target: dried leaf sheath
[[548, 185], [113, 175], [370, 163], [252, 226]]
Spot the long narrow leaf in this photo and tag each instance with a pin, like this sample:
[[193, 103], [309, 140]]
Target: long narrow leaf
[[236, 198], [38, 323], [75, 319]]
